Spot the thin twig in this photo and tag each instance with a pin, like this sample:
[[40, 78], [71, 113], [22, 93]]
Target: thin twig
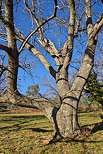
[[33, 32]]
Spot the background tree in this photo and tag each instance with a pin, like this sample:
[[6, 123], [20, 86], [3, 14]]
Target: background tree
[[94, 90], [33, 91], [80, 33]]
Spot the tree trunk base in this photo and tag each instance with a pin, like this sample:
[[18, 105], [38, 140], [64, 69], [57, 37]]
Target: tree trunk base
[[67, 121], [57, 138]]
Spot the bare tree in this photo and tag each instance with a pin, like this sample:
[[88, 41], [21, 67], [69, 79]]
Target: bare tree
[[79, 27]]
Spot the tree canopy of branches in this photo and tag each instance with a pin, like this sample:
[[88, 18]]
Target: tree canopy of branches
[[61, 34]]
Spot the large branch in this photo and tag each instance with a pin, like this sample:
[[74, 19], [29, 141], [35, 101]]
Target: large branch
[[6, 49], [68, 46], [89, 23], [42, 104], [42, 59], [88, 60], [82, 75], [85, 68], [51, 49], [97, 26], [39, 56], [9, 24]]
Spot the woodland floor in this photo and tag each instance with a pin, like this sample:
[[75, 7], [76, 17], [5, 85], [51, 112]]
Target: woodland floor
[[30, 133]]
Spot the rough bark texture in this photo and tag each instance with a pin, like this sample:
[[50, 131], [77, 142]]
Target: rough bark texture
[[67, 115], [13, 55]]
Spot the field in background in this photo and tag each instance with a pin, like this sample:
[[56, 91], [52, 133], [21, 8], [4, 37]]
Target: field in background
[[29, 133]]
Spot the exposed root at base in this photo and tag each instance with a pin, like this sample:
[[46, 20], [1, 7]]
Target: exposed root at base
[[85, 132], [55, 139]]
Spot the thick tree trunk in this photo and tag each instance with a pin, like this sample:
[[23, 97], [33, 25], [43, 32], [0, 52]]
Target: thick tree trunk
[[13, 55], [12, 73], [67, 117]]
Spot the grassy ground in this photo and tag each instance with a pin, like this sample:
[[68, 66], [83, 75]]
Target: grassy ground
[[29, 134]]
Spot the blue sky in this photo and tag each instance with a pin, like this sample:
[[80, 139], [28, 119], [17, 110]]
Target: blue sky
[[56, 34]]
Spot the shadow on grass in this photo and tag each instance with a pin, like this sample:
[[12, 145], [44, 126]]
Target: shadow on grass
[[87, 132], [23, 120], [15, 127], [97, 127], [11, 118], [40, 130], [28, 117], [83, 141]]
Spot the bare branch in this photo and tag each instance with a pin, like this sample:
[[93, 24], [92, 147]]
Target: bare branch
[[68, 46], [3, 34], [2, 70], [38, 22], [33, 32], [39, 56], [16, 2], [6, 49], [88, 17], [28, 101], [2, 67], [31, 12], [1, 18], [77, 27], [88, 60], [51, 49], [97, 26], [42, 59], [0, 7], [20, 36], [47, 44]]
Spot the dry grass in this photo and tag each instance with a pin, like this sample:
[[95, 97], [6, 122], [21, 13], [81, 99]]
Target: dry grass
[[30, 134]]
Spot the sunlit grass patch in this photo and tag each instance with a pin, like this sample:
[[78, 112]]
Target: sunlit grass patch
[[30, 134]]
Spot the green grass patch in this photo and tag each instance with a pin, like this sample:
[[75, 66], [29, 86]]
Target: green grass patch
[[29, 134]]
